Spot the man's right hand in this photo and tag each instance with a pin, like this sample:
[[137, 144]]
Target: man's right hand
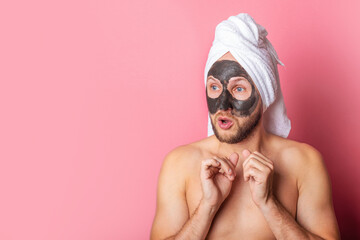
[[217, 175], [172, 212]]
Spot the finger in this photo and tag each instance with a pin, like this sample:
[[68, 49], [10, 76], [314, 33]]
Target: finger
[[209, 167], [227, 167], [234, 158], [261, 160], [254, 173], [254, 163], [245, 153], [263, 156], [260, 167], [207, 163], [228, 161]]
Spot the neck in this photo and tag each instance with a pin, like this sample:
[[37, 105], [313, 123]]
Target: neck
[[254, 142]]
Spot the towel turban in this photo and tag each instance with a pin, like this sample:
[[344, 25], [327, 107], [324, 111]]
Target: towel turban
[[246, 41]]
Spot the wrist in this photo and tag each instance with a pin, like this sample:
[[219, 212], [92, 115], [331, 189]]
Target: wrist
[[268, 205], [207, 208]]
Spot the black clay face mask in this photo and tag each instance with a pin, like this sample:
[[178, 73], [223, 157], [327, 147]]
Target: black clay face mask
[[222, 72]]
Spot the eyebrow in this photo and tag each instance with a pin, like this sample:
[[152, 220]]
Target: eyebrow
[[232, 80], [237, 79], [213, 79]]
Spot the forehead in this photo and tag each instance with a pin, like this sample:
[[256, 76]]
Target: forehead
[[227, 56], [227, 67], [223, 70]]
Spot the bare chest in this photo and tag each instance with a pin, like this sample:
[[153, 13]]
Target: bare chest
[[238, 216]]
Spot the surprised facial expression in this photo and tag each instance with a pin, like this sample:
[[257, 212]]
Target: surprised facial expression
[[233, 101]]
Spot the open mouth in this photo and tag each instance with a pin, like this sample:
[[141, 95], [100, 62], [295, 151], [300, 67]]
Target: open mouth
[[224, 123]]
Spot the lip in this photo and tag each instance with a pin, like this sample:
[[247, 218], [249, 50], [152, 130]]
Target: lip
[[224, 123]]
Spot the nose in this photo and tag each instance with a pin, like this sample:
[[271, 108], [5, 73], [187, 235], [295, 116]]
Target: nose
[[225, 107], [227, 112], [225, 104]]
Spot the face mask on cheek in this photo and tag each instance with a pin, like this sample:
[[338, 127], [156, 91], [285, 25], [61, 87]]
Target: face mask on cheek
[[223, 71]]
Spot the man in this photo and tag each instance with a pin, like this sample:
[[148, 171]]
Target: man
[[247, 181]]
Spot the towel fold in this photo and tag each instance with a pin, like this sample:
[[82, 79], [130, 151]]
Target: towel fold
[[246, 41]]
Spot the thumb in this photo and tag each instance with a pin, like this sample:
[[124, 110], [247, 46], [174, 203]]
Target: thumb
[[246, 153], [234, 157]]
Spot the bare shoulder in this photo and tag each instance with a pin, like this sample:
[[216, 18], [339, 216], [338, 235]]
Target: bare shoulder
[[184, 154], [298, 157], [185, 158], [303, 152]]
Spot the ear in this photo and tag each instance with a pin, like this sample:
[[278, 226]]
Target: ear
[[234, 157]]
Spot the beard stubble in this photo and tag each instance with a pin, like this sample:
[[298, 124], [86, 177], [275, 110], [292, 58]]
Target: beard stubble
[[243, 131]]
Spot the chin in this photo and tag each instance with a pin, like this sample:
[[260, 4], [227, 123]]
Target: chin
[[229, 136], [237, 133], [230, 139]]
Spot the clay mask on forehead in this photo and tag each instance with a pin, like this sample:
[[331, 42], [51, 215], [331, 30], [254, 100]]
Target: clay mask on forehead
[[223, 71]]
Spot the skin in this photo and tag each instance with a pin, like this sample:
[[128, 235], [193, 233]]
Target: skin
[[264, 187]]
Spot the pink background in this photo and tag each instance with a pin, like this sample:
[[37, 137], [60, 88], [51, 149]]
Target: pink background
[[94, 94]]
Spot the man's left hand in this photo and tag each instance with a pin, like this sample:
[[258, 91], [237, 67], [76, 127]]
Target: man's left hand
[[258, 171]]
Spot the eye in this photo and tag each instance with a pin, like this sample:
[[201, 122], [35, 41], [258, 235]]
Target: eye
[[240, 89], [214, 87]]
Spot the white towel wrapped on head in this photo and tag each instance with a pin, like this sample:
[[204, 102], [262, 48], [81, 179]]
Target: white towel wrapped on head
[[246, 41]]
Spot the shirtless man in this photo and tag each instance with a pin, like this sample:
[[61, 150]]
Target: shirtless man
[[243, 182]]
